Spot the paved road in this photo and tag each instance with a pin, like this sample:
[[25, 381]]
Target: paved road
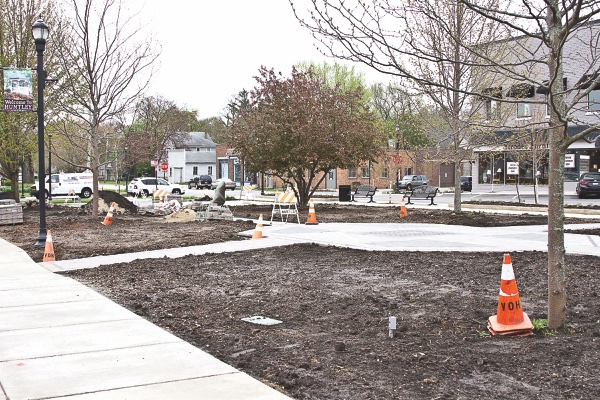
[[506, 193]]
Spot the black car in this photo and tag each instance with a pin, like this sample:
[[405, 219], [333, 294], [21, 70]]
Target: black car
[[466, 183], [200, 181], [589, 183]]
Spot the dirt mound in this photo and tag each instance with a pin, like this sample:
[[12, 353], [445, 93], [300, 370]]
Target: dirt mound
[[106, 197]]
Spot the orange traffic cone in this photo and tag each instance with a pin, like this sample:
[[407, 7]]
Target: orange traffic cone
[[257, 234], [312, 215], [109, 216], [49, 249], [403, 212], [510, 319]]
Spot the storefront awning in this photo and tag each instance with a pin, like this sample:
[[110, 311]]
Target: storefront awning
[[520, 91]]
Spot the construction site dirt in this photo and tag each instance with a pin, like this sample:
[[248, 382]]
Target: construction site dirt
[[335, 303]]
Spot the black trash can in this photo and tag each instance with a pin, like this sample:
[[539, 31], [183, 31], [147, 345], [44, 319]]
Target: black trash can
[[345, 192]]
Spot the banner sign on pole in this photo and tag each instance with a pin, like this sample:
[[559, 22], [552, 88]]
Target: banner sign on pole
[[18, 95], [512, 168]]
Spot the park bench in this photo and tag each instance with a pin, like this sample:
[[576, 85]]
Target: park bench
[[72, 196], [367, 191], [422, 193]]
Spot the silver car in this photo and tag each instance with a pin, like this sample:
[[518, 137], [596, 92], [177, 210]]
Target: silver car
[[409, 182], [229, 184]]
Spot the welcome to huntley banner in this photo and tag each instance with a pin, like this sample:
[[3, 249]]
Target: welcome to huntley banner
[[17, 89]]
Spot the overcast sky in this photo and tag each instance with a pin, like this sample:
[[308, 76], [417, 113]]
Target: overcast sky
[[212, 49]]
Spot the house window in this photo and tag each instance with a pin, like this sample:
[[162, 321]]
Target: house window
[[195, 171], [492, 109], [523, 110], [352, 173], [365, 172], [210, 170], [385, 172], [594, 100]]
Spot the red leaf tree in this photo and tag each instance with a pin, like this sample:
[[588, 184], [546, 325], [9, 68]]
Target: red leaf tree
[[299, 128]]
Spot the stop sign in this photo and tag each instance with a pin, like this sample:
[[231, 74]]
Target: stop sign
[[164, 166]]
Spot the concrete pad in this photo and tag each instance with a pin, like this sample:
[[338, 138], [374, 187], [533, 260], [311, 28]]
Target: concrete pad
[[48, 315], [93, 262], [83, 338], [55, 294], [43, 280], [12, 266], [16, 261], [106, 370], [236, 386], [428, 237]]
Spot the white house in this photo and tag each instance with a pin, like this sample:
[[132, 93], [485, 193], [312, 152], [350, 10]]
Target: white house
[[196, 157]]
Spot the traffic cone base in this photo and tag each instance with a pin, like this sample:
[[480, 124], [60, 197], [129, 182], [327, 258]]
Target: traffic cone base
[[312, 215], [524, 328], [49, 249]]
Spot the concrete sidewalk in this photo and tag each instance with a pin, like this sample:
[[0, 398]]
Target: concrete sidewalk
[[60, 339]]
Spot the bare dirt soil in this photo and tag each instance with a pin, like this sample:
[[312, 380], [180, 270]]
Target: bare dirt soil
[[335, 303]]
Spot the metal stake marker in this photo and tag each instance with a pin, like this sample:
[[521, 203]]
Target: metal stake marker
[[391, 327]]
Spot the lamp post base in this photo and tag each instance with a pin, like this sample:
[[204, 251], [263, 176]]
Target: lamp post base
[[41, 241]]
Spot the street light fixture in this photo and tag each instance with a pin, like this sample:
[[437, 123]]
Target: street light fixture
[[40, 32]]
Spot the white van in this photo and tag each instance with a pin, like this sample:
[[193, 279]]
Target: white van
[[67, 185]]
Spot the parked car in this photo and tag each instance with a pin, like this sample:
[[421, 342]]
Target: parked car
[[571, 176], [200, 181], [146, 186], [229, 184], [466, 183], [589, 183], [409, 182]]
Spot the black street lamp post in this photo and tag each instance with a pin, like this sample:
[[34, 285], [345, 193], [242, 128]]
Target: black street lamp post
[[50, 166], [40, 33]]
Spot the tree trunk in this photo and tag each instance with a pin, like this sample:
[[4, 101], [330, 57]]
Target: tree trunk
[[557, 292], [457, 191], [95, 162], [557, 295], [14, 185]]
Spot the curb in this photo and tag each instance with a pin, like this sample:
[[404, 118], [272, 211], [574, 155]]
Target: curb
[[582, 211]]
